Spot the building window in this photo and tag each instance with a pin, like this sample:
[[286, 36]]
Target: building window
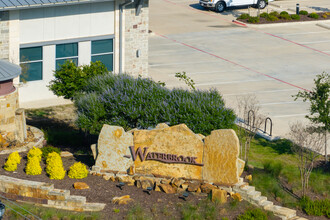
[[102, 50], [31, 63], [66, 52]]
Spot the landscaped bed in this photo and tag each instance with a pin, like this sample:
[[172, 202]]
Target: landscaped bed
[[283, 17], [158, 205]]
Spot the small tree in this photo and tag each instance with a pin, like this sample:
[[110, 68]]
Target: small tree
[[306, 145], [247, 129], [70, 79], [320, 106]]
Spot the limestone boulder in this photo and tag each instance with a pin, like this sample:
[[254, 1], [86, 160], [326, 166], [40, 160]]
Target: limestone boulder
[[206, 188], [112, 149], [219, 195], [123, 200], [80, 185], [240, 166], [220, 157], [164, 142], [167, 188]]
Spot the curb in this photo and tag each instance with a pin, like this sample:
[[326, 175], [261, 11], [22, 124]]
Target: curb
[[318, 23]]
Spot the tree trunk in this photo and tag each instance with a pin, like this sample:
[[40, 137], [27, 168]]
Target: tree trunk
[[326, 150]]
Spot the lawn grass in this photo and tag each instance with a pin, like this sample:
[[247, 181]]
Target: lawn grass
[[15, 212], [279, 151]]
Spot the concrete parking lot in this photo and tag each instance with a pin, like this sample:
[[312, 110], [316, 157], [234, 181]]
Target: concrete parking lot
[[271, 62]]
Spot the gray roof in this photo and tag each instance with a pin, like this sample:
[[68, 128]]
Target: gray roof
[[8, 70], [6, 5]]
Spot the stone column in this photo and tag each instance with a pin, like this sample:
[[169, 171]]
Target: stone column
[[136, 40], [4, 35]]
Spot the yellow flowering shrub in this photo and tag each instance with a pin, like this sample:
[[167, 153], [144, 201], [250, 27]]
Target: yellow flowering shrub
[[33, 166], [34, 152], [12, 161], [78, 171], [54, 166]]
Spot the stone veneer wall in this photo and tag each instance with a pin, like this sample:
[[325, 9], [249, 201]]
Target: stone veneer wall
[[8, 106], [4, 35], [136, 38]]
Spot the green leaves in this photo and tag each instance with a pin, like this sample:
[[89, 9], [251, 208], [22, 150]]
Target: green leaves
[[71, 79], [319, 101]]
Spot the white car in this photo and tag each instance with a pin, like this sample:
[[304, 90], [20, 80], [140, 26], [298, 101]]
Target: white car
[[221, 5]]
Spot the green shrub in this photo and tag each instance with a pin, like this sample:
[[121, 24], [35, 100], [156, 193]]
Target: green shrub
[[78, 171], [253, 20], [274, 168], [244, 16], [303, 12], [264, 15], [316, 207], [120, 99], [33, 166], [284, 13], [12, 161], [70, 79], [285, 16], [253, 214], [272, 18], [295, 17], [274, 13], [34, 152], [54, 166], [313, 15], [324, 15], [49, 149]]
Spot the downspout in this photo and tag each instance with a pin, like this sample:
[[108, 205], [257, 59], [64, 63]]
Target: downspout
[[121, 9]]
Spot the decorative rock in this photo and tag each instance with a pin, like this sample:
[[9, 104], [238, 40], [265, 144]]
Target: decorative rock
[[240, 166], [161, 126], [125, 178], [220, 157], [123, 200], [113, 144], [185, 185], [177, 182], [3, 142], [66, 154], [131, 170], [193, 186], [219, 195], [109, 176], [167, 188], [80, 185], [236, 196], [165, 142], [146, 183], [206, 188], [165, 181], [157, 188], [249, 178]]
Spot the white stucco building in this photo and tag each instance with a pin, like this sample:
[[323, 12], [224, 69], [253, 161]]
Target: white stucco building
[[44, 33]]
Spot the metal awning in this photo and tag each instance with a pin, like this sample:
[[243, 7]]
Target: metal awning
[[8, 70], [6, 5]]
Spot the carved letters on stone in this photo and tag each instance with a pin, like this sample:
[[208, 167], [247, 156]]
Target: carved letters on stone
[[171, 151]]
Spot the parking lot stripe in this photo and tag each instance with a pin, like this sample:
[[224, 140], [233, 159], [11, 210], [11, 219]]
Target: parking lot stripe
[[251, 28], [232, 62]]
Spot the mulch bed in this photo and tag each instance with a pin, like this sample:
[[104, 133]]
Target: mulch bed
[[302, 19], [158, 205]]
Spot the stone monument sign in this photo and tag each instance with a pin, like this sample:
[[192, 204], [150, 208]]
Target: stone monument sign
[[170, 152]]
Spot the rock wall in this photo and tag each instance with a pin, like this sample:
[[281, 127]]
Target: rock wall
[[136, 39], [4, 35], [12, 118]]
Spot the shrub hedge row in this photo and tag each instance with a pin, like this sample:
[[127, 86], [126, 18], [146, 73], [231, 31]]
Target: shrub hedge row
[[142, 103]]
